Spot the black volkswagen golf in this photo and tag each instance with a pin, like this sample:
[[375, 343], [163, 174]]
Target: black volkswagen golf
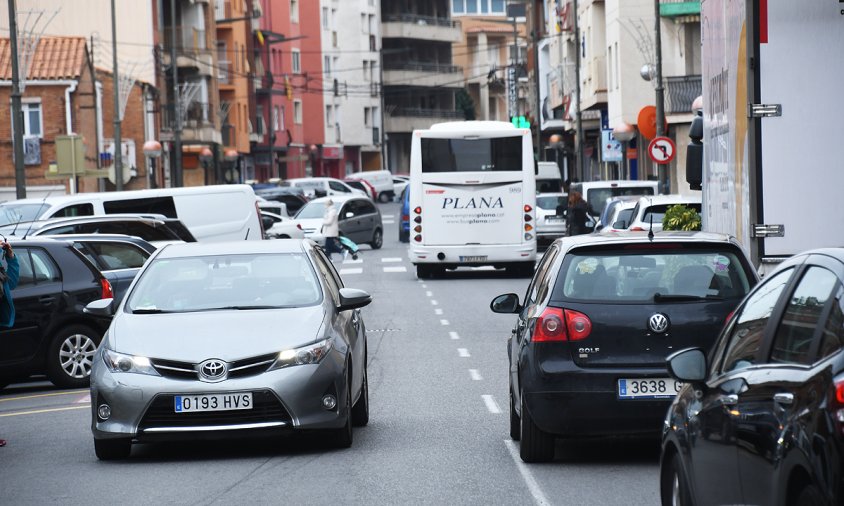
[[587, 353]]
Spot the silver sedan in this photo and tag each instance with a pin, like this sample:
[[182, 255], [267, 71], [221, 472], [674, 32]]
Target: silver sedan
[[229, 339]]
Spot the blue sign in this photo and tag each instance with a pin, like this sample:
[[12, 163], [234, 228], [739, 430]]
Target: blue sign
[[610, 147]]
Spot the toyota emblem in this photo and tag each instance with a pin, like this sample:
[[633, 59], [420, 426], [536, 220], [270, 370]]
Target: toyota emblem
[[213, 370], [658, 323]]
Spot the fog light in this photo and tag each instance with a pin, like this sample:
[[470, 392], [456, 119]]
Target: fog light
[[329, 402], [104, 412]]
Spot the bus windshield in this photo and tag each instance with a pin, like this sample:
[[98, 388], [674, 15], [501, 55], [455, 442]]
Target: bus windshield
[[495, 154]]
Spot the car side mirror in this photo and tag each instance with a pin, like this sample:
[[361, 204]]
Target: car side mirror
[[352, 298], [267, 222], [688, 366], [505, 304], [102, 307]]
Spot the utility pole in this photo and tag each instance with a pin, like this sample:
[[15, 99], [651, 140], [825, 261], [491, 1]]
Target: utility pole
[[176, 152], [662, 171], [17, 111], [578, 113], [115, 84]]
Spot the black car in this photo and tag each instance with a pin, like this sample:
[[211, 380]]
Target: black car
[[761, 418], [51, 333], [294, 198], [587, 354]]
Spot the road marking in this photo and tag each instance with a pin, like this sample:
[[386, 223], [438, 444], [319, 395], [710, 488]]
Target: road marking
[[463, 352], [438, 311], [38, 396], [429, 293], [37, 411], [84, 400], [388, 216], [475, 375], [453, 335], [424, 285], [352, 261], [444, 323], [391, 260], [400, 268], [491, 405], [538, 497], [434, 302], [350, 271], [388, 222]]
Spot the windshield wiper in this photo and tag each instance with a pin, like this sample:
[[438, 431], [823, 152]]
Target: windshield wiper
[[659, 297], [150, 310], [239, 308]]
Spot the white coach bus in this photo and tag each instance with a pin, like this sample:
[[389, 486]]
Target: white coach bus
[[472, 197]]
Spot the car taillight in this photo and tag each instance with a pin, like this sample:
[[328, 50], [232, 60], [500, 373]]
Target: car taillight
[[560, 325], [418, 220], [405, 217], [836, 405], [107, 292], [636, 229]]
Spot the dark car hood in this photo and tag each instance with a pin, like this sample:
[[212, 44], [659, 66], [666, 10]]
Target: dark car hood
[[227, 335]]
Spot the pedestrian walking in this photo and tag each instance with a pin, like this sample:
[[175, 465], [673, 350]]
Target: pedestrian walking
[[576, 214], [331, 229], [9, 280]]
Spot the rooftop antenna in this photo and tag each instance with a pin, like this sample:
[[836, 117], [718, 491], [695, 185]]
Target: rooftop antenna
[[651, 230], [32, 222]]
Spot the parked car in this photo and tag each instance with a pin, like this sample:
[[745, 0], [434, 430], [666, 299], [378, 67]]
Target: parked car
[[549, 224], [118, 257], [596, 193], [399, 184], [364, 185], [282, 227], [359, 220], [315, 187], [404, 221], [272, 206], [760, 419], [293, 198], [649, 211], [52, 334], [610, 209], [587, 352], [618, 214], [232, 375], [382, 180], [156, 230]]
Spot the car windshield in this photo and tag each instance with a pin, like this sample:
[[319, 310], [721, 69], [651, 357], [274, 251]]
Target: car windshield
[[657, 212], [206, 283], [17, 213], [549, 202], [311, 210], [650, 274]]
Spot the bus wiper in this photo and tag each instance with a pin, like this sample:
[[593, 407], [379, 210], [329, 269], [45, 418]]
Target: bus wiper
[[659, 297]]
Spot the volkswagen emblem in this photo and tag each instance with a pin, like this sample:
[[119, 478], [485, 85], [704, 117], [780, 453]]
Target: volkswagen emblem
[[658, 323], [213, 370]]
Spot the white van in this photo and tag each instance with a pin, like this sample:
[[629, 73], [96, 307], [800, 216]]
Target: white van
[[381, 180], [315, 187], [548, 178], [211, 213], [596, 193]]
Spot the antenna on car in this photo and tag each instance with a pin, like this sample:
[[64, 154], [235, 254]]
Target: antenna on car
[[247, 234], [28, 230], [651, 230]]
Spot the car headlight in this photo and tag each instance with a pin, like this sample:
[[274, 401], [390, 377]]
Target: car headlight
[[310, 354], [120, 362]]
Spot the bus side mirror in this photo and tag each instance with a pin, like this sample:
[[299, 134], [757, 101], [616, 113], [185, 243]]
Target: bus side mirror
[[535, 167], [694, 153]]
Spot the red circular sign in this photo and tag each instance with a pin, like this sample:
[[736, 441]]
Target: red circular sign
[[662, 150]]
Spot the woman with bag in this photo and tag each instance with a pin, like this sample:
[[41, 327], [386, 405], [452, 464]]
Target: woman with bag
[[9, 278]]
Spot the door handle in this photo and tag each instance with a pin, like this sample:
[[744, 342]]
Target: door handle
[[46, 299], [728, 400], [784, 398]]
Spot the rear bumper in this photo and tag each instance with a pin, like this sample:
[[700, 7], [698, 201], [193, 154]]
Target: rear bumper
[[457, 255]]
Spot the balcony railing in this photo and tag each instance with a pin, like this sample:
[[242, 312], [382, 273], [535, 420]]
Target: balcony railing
[[197, 114], [418, 112], [420, 20], [438, 68], [680, 92], [188, 39]]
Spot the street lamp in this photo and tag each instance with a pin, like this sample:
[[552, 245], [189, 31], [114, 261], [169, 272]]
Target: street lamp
[[625, 133], [206, 156], [231, 156], [152, 150], [556, 141]]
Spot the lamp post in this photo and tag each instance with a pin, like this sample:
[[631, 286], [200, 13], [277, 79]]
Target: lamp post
[[625, 133], [231, 156], [206, 156], [662, 172], [152, 150]]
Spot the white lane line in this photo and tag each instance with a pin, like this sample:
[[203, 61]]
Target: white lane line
[[424, 285], [463, 353], [438, 311], [350, 260], [444, 323], [84, 400], [388, 222], [400, 268], [385, 216], [434, 302], [391, 260], [475, 375], [429, 293], [453, 335], [538, 497], [491, 405], [350, 271]]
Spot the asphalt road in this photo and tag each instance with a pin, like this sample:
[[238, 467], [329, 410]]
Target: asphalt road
[[438, 432]]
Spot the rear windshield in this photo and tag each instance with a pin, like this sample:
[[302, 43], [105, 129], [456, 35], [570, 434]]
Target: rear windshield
[[311, 210], [551, 203], [549, 186], [635, 274], [472, 155], [657, 212], [11, 214]]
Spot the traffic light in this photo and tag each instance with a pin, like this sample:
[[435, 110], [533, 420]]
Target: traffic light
[[520, 121]]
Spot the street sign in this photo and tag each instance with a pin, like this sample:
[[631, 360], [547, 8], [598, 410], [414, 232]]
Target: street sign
[[662, 150]]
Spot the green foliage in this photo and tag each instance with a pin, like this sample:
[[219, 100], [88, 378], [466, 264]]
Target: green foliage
[[681, 217], [465, 104]]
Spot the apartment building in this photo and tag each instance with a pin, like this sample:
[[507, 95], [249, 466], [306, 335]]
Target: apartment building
[[419, 77]]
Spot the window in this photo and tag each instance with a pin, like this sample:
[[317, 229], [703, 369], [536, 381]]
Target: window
[[276, 118], [832, 336], [748, 331], [149, 205], [793, 339], [36, 266], [617, 67], [297, 112], [367, 117], [75, 210], [334, 185], [32, 124], [365, 70], [296, 63], [326, 61], [462, 155], [329, 116], [294, 11], [112, 255], [364, 25], [478, 7], [325, 20], [262, 127]]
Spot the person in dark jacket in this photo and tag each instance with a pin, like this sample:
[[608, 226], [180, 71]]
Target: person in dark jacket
[[7, 306], [576, 214]]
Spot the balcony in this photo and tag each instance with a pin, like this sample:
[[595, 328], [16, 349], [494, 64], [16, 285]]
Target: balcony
[[679, 8], [680, 92], [224, 71], [191, 50], [412, 26], [423, 74], [408, 119], [197, 123]]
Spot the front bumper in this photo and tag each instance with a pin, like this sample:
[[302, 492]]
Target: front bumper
[[291, 398]]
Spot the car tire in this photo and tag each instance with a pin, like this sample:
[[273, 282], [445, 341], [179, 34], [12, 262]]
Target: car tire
[[343, 436], [674, 488], [515, 421], [536, 445], [360, 411], [521, 269], [423, 271], [71, 355], [809, 496], [377, 239], [404, 236], [112, 449], [384, 197]]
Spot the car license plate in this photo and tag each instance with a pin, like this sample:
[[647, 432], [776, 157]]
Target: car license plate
[[213, 402], [477, 258], [648, 388]]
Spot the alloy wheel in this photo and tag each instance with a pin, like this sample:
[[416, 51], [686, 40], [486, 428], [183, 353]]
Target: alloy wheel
[[76, 355]]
